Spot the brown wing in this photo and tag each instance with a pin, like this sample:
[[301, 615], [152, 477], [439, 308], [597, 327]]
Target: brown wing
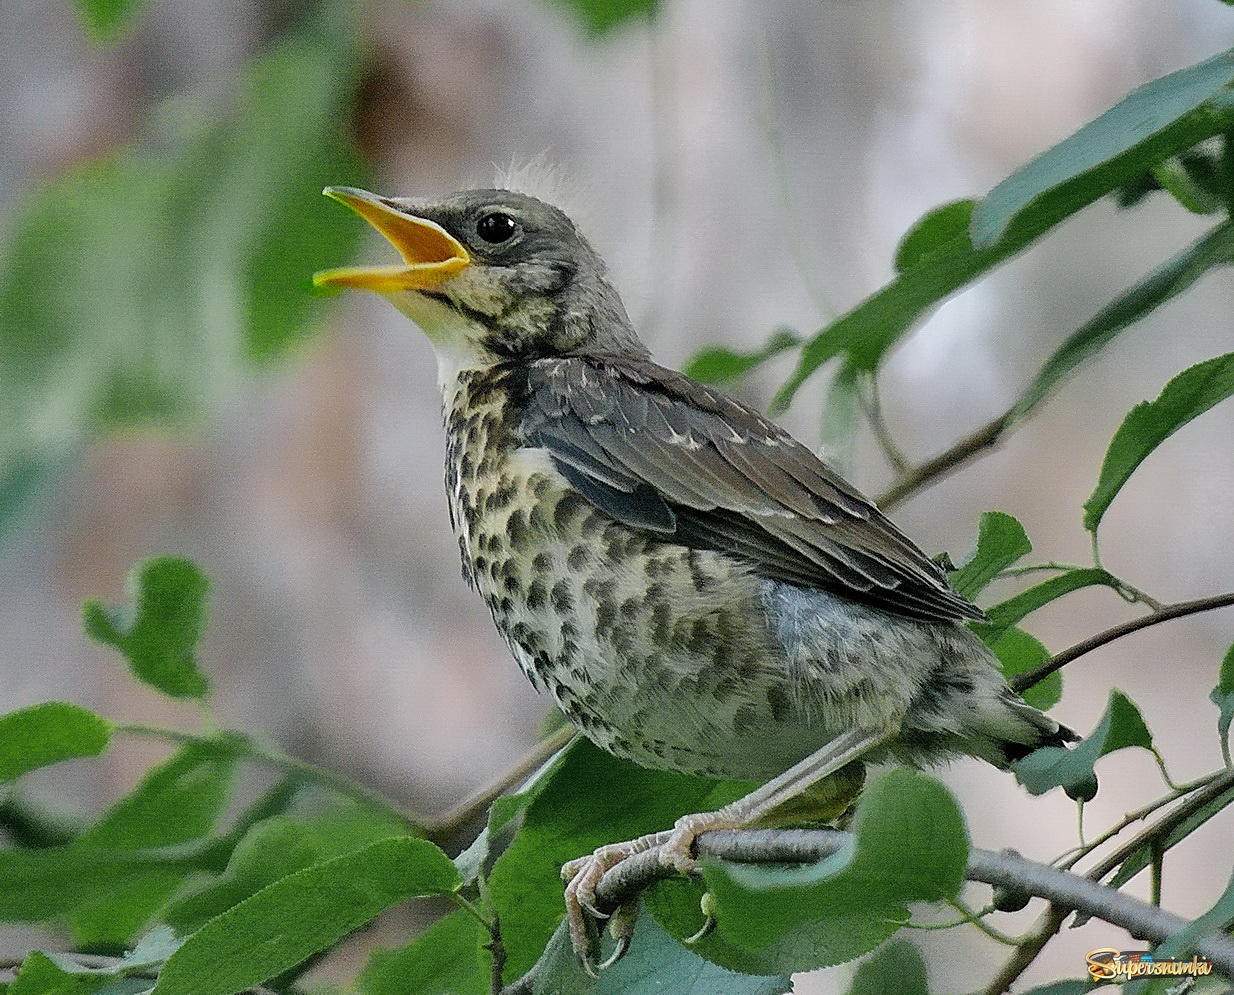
[[659, 451]]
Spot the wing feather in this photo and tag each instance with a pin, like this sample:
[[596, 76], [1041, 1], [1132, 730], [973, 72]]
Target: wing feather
[[656, 450]]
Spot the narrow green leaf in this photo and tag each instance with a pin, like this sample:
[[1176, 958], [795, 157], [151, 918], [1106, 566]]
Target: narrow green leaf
[[1011, 612], [600, 17], [910, 844], [446, 959], [1017, 212], [840, 418], [105, 19], [1071, 769], [1216, 248], [1153, 122], [936, 230], [1178, 180], [1018, 653], [42, 885], [178, 802], [46, 734], [1223, 697], [1217, 920], [158, 635], [1001, 540], [273, 849], [719, 364], [1150, 423], [895, 967], [289, 921], [589, 798], [40, 975]]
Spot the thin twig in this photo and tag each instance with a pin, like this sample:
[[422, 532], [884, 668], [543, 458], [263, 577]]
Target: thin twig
[[456, 818], [1166, 614], [243, 746], [872, 405], [1052, 920], [988, 436]]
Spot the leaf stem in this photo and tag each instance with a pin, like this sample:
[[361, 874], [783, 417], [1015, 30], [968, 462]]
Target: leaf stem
[[872, 405]]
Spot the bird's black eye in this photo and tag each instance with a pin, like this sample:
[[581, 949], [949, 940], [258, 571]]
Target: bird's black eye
[[496, 227]]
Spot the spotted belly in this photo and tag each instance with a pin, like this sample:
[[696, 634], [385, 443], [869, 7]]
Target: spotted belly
[[659, 653]]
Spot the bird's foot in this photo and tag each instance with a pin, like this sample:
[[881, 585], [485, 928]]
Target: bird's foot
[[583, 876]]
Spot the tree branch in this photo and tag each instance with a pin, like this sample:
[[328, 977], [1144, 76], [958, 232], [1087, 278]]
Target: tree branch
[[1062, 888], [1052, 919], [455, 819], [1165, 614], [988, 436]]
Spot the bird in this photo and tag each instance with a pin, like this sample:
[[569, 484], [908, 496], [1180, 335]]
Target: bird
[[694, 588]]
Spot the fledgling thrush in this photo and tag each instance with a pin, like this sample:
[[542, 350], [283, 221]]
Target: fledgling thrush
[[694, 588]]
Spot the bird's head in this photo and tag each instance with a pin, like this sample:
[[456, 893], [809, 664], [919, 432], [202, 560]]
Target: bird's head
[[490, 276]]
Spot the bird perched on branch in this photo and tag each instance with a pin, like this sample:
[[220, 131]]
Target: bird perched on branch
[[694, 588]]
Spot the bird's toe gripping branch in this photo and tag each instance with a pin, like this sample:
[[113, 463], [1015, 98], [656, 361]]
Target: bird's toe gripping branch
[[676, 851]]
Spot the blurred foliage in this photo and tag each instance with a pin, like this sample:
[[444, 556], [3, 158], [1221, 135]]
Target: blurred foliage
[[141, 288], [138, 289], [107, 18], [599, 17]]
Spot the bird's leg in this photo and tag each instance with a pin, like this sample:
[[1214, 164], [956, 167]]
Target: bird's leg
[[677, 845], [677, 851]]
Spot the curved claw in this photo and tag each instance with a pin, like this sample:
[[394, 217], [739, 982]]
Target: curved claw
[[708, 927], [589, 967], [623, 944]]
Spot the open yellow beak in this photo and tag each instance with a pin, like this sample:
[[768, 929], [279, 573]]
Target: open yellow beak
[[431, 254]]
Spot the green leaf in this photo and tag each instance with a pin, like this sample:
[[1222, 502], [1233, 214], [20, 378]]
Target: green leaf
[[107, 18], [446, 959], [176, 803], [46, 734], [895, 967], [1018, 653], [1175, 177], [1150, 423], [1021, 209], [159, 634], [308, 911], [719, 364], [275, 848], [1216, 248], [589, 798], [1072, 769], [935, 231], [1152, 123], [1001, 540], [910, 844], [600, 17], [1223, 697], [40, 975], [1008, 613], [840, 418], [1079, 986], [656, 963], [1216, 920], [189, 254]]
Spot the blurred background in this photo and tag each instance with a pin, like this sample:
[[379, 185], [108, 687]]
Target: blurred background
[[167, 384]]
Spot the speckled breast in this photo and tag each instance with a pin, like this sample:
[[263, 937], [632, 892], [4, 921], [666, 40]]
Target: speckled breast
[[659, 653]]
